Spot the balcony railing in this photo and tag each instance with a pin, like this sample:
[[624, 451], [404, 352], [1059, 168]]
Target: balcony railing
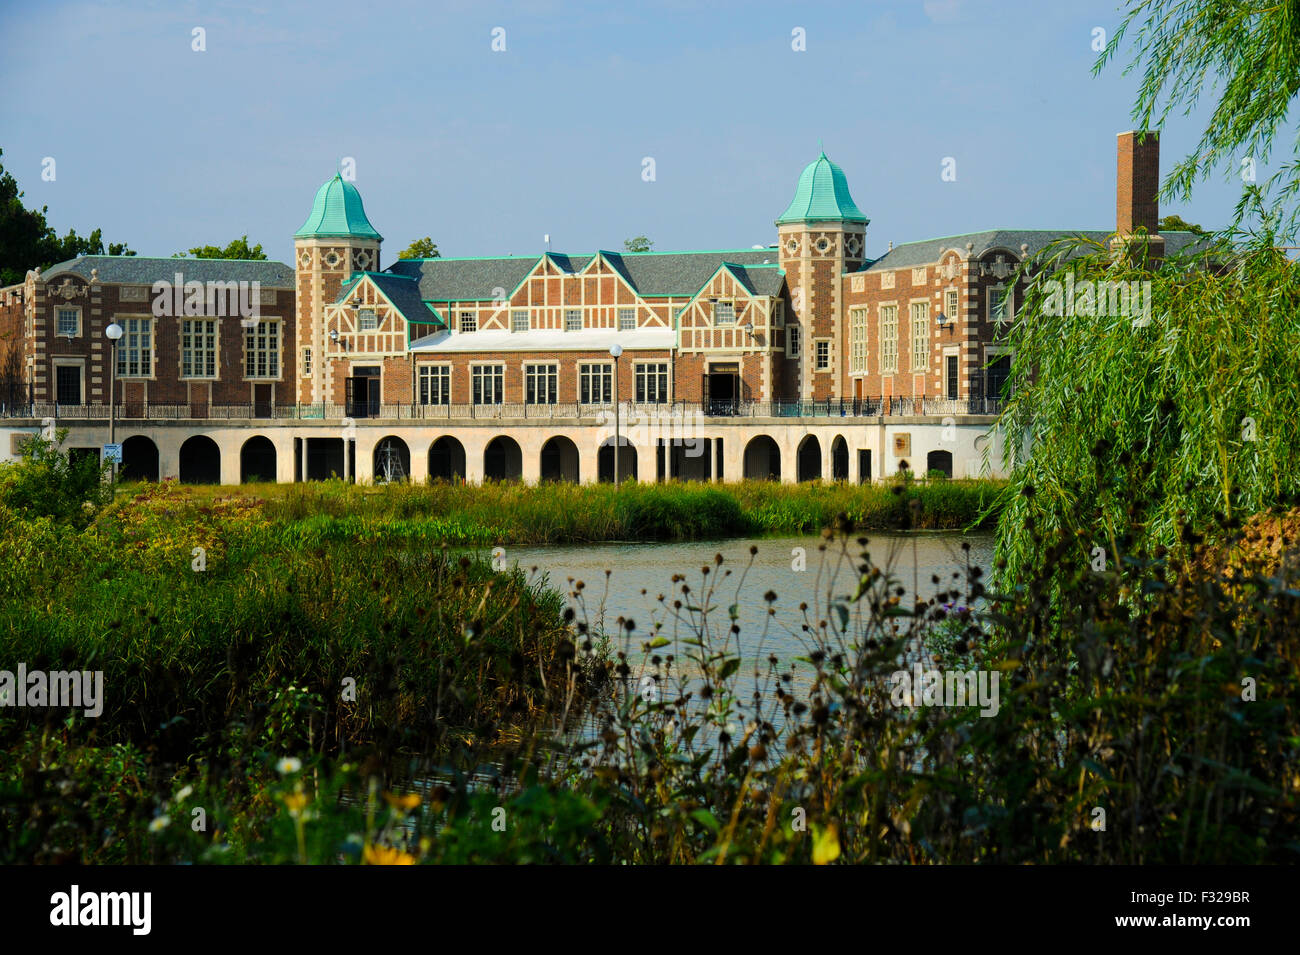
[[568, 411]]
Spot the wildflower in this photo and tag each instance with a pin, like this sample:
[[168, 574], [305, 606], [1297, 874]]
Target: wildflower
[[288, 765], [387, 855], [405, 803], [296, 802], [160, 823], [184, 793]]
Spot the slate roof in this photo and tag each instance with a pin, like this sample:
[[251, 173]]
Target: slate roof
[[402, 290], [758, 279], [140, 270], [930, 250], [652, 274]]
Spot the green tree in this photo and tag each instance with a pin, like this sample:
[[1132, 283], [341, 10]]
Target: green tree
[[237, 249], [1173, 223], [1249, 50], [637, 243], [27, 241], [424, 248], [48, 482]]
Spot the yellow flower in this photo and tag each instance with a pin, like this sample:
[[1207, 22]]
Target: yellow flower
[[296, 802], [387, 855], [405, 803]]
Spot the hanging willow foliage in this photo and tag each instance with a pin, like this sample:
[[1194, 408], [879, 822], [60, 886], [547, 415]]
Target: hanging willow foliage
[[1140, 427]]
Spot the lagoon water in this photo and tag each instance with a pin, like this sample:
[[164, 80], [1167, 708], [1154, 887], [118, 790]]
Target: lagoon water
[[638, 573]]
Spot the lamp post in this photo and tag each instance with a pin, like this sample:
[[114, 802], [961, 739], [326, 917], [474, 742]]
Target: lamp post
[[615, 350], [113, 332]]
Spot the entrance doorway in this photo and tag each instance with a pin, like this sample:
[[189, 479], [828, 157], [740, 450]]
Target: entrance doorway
[[722, 390], [362, 392]]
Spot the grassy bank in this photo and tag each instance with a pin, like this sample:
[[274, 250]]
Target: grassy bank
[[307, 514]]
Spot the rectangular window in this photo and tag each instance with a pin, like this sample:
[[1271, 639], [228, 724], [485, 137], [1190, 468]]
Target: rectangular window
[[487, 384], [519, 320], [626, 319], [135, 349], [1001, 304], [541, 384], [573, 320], [858, 340], [595, 384], [724, 313], [199, 348], [888, 339], [920, 336], [950, 306], [435, 384], [822, 355], [69, 322], [306, 362], [262, 350], [778, 315], [652, 384], [68, 384], [469, 321], [792, 341], [366, 320]]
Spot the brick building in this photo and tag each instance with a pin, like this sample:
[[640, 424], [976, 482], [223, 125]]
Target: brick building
[[807, 326]]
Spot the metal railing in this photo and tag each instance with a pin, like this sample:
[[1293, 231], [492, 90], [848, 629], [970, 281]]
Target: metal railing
[[568, 411]]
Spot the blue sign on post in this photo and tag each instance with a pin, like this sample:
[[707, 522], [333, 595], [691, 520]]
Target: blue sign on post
[[112, 454]]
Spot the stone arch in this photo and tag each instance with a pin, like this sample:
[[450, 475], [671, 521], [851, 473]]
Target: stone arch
[[200, 461], [560, 460], [139, 459], [762, 459], [257, 460], [626, 460], [503, 460], [809, 459], [392, 460], [447, 460], [839, 459]]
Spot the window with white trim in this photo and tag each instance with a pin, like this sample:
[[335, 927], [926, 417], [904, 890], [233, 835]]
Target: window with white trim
[[306, 362], [822, 355], [68, 322], [858, 340], [792, 341], [469, 321], [888, 339], [519, 320], [920, 336], [262, 350], [652, 383], [573, 320], [950, 305], [1001, 304], [541, 384], [366, 320], [724, 313], [135, 349], [199, 348], [595, 384], [435, 384], [487, 384], [778, 314], [626, 319]]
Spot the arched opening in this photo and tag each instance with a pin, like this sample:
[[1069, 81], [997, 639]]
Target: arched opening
[[626, 461], [810, 459], [200, 461], [939, 461], [762, 460], [392, 460], [839, 459], [257, 460], [139, 459], [502, 460], [560, 460], [447, 460]]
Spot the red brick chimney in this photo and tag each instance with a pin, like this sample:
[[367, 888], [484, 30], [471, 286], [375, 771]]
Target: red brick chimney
[[1136, 185]]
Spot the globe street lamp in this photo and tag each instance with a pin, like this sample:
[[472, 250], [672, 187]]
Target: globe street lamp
[[113, 332], [615, 350]]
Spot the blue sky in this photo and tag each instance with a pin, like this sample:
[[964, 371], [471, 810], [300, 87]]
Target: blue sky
[[167, 148]]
